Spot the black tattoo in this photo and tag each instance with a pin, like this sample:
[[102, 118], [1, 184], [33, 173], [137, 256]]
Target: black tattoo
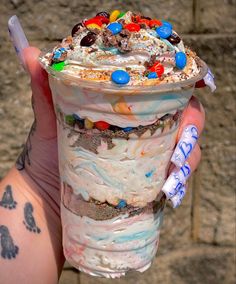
[[7, 199], [29, 219], [9, 250], [24, 156]]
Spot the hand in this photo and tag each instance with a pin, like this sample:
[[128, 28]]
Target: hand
[[187, 153], [39, 157]]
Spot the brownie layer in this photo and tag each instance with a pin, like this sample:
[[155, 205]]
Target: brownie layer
[[104, 211]]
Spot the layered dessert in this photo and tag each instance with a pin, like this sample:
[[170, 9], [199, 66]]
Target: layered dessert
[[120, 82]]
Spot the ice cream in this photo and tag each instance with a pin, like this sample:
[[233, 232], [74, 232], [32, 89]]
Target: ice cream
[[119, 85], [141, 47]]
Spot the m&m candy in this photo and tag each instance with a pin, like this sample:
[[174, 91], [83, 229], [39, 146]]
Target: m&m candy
[[154, 23], [95, 21], [158, 68], [121, 15], [88, 124], [167, 24], [101, 125], [164, 31], [58, 66], [76, 28], [120, 77], [114, 15], [174, 39], [103, 14], [88, 40], [132, 27], [152, 75], [103, 19], [127, 129], [115, 28], [122, 203], [180, 60]]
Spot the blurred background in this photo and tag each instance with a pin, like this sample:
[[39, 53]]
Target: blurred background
[[198, 239]]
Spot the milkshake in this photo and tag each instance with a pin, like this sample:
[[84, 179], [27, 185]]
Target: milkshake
[[120, 83]]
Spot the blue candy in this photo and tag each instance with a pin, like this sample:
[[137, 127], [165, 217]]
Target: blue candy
[[115, 28], [120, 77], [167, 24], [76, 117], [121, 204], [62, 49], [164, 31], [180, 60], [57, 54], [127, 129], [152, 75]]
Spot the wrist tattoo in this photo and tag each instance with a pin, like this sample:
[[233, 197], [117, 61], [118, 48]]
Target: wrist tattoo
[[8, 201], [9, 249], [24, 157], [29, 221]]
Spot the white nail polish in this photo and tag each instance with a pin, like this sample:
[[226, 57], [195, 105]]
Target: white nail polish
[[185, 145], [176, 180], [18, 37], [177, 199], [209, 80]]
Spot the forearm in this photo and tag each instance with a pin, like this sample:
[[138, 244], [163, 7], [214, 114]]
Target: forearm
[[30, 232]]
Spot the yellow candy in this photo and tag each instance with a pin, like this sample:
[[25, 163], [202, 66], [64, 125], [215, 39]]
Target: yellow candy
[[88, 123], [114, 15], [93, 26]]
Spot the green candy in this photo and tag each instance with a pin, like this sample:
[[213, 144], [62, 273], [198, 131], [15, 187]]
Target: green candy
[[121, 15], [70, 119], [58, 66]]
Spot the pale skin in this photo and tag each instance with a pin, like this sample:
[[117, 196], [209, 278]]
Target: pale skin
[[30, 225]]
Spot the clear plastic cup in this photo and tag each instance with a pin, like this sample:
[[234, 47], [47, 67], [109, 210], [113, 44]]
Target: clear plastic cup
[[111, 200]]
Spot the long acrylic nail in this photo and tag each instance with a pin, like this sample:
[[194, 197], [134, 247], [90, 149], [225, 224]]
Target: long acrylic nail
[[18, 37], [185, 145], [176, 180], [209, 80], [177, 199]]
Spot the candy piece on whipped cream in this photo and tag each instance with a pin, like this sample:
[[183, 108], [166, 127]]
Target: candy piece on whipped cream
[[120, 77]]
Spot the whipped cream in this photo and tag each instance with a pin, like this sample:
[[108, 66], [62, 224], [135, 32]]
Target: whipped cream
[[106, 54]]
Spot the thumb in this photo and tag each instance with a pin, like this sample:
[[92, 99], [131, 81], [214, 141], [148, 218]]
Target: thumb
[[41, 94]]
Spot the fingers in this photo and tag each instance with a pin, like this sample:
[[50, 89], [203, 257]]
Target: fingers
[[41, 94], [190, 129], [174, 187], [193, 114]]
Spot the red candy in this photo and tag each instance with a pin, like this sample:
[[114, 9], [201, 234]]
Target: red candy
[[132, 27], [158, 68], [103, 19], [200, 84], [135, 18], [102, 125], [96, 21], [144, 21], [155, 23]]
